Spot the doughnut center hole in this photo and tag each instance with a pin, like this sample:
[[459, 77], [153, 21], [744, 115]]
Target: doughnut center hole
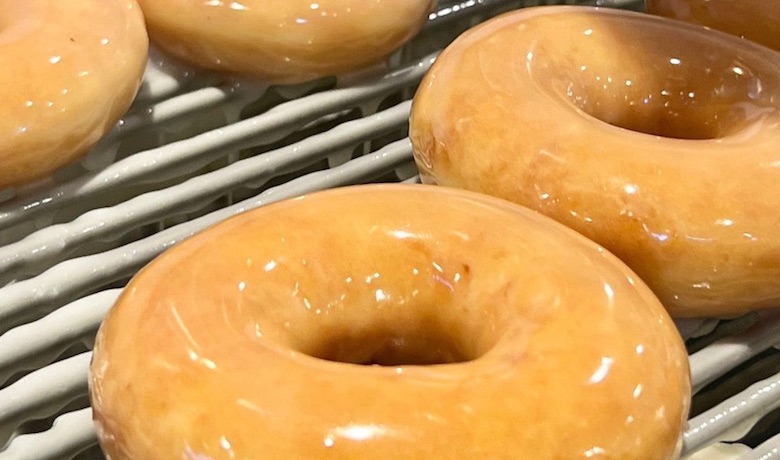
[[678, 117], [655, 78], [673, 124], [402, 336], [392, 350]]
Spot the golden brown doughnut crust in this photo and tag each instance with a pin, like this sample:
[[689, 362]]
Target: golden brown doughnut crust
[[557, 121], [71, 69], [209, 351], [284, 41], [756, 20]]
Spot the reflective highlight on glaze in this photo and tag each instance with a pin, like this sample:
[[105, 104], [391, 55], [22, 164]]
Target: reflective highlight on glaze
[[215, 339], [756, 20], [71, 69], [664, 150], [284, 41]]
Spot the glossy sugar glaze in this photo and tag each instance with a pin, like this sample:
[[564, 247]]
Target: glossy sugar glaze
[[657, 139], [70, 70], [501, 334], [284, 41]]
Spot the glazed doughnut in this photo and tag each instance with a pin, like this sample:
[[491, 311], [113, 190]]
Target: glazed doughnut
[[72, 68], [493, 331], [756, 20], [657, 139], [284, 41]]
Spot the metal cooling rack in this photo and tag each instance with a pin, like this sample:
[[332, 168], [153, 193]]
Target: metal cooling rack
[[196, 149]]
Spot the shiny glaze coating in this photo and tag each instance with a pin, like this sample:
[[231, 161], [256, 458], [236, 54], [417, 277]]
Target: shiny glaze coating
[[555, 348], [558, 120], [284, 41], [70, 70], [756, 20]]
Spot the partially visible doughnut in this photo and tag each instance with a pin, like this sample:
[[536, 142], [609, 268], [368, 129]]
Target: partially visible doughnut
[[284, 41], [658, 139], [496, 333], [70, 70], [756, 20]]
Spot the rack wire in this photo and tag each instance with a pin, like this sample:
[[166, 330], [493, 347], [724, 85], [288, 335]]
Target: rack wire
[[196, 149]]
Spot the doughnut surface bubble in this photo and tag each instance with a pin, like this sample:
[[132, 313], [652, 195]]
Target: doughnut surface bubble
[[71, 70], [658, 139], [284, 41], [398, 321]]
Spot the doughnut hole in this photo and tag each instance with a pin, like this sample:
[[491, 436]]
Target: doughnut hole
[[414, 304], [426, 342], [667, 80], [395, 319]]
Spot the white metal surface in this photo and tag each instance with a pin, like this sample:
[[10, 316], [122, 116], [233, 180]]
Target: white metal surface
[[195, 150]]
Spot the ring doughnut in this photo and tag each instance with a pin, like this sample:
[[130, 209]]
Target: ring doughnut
[[72, 69], [248, 339], [756, 20], [657, 139], [284, 41]]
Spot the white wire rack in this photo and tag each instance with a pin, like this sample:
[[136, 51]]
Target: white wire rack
[[194, 150]]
